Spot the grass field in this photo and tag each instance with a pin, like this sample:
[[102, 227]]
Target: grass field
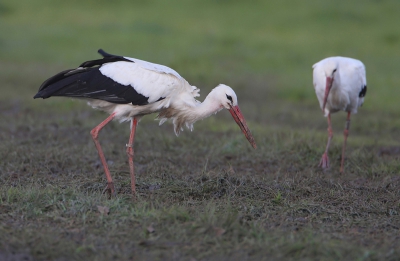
[[206, 195]]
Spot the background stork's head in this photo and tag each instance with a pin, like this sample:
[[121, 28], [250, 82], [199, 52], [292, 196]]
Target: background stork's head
[[227, 99], [330, 69]]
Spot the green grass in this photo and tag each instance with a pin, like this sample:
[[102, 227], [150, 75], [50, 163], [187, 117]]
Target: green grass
[[206, 195]]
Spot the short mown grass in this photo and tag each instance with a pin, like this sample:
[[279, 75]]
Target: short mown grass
[[221, 201]]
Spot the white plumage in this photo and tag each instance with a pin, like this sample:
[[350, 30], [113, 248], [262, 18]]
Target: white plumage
[[153, 81], [349, 81], [340, 85]]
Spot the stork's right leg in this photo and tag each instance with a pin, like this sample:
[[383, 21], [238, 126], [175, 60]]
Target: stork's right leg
[[130, 152], [95, 133], [324, 163]]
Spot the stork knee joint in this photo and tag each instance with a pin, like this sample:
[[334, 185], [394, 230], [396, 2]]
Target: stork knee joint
[[347, 124], [94, 133]]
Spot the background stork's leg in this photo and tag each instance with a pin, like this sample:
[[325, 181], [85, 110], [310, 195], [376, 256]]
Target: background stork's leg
[[324, 163], [129, 151], [95, 134], [345, 134]]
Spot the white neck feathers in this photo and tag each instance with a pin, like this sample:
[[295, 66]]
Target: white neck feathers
[[189, 114]]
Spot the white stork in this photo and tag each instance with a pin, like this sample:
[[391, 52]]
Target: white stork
[[129, 88], [340, 85]]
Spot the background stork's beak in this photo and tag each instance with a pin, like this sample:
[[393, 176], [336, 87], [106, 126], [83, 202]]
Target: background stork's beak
[[328, 87], [238, 117]]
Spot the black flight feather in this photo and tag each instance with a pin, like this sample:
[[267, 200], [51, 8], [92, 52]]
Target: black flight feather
[[105, 54], [87, 81], [363, 91], [107, 58]]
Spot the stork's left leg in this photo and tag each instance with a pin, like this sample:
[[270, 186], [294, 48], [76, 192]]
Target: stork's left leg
[[345, 134], [95, 133], [324, 163], [129, 151]]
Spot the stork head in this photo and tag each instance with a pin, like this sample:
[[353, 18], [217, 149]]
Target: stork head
[[330, 69], [227, 99]]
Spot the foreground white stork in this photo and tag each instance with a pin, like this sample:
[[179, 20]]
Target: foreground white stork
[[129, 88], [340, 85]]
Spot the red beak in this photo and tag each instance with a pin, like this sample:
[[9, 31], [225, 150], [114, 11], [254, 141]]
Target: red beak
[[328, 87], [238, 117]]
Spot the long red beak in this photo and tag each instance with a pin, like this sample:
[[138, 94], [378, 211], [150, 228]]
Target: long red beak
[[328, 87], [238, 117]]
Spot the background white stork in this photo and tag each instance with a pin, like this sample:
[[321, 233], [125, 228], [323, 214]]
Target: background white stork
[[129, 88], [340, 85]]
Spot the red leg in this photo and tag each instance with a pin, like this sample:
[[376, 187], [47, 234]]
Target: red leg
[[324, 163], [345, 134], [95, 134], [129, 151]]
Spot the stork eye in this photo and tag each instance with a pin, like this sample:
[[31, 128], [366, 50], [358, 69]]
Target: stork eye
[[229, 97], [334, 70]]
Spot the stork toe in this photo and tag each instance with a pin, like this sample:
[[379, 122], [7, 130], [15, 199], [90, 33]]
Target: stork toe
[[110, 189], [324, 163]]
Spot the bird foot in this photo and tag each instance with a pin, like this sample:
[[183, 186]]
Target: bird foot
[[110, 189], [324, 163]]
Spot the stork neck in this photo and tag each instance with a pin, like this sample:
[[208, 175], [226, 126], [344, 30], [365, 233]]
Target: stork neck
[[208, 107]]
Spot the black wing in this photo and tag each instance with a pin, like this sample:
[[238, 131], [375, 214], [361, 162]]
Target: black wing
[[87, 81], [363, 91]]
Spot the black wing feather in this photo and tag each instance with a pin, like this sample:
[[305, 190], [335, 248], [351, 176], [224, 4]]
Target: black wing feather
[[107, 58], [363, 91], [105, 54], [88, 82]]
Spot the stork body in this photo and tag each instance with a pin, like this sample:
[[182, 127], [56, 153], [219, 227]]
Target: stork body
[[340, 85], [129, 88]]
